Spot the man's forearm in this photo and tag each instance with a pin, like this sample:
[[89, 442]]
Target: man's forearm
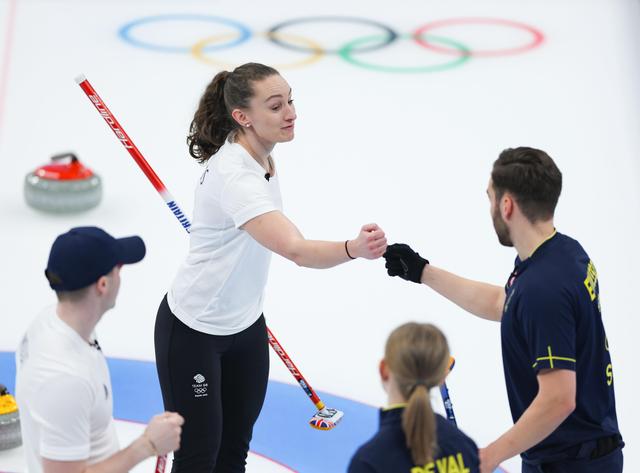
[[120, 462], [481, 299], [125, 459], [543, 416]]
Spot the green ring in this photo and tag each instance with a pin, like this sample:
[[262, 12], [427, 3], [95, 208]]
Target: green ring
[[346, 51]]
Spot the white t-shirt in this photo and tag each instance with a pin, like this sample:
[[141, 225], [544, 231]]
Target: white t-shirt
[[63, 390], [219, 288]]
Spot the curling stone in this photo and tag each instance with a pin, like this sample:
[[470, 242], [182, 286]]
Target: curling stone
[[9, 421], [64, 185]]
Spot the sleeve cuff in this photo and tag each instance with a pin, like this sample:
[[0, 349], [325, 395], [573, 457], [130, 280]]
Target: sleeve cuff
[[75, 453], [552, 360], [246, 214]]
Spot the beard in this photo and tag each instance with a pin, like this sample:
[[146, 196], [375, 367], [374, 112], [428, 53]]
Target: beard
[[500, 226]]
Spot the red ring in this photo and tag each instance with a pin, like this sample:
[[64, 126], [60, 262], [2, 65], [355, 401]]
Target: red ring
[[538, 37]]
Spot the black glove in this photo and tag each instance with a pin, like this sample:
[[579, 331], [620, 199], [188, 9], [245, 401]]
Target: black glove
[[404, 262]]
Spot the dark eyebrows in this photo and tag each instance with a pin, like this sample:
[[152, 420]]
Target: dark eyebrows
[[277, 95]]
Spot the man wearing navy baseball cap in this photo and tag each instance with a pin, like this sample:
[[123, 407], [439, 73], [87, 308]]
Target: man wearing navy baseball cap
[[83, 255], [63, 386]]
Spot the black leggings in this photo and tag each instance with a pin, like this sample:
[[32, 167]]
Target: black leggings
[[218, 384]]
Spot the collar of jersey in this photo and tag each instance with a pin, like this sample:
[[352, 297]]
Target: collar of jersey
[[251, 162], [394, 406], [522, 265], [555, 232], [65, 328], [391, 414]]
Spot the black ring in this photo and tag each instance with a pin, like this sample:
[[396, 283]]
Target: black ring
[[272, 33]]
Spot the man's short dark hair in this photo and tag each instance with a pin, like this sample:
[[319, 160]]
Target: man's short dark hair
[[533, 179]]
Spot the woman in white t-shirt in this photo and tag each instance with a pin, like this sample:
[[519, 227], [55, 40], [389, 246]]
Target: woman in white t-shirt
[[210, 336]]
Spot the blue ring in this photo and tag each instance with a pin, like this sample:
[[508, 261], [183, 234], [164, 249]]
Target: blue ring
[[125, 32]]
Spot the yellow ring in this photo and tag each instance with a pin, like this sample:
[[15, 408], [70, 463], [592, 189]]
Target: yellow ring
[[198, 50]]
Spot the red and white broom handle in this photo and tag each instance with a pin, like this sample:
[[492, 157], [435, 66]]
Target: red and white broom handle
[[135, 153], [161, 464], [133, 150], [294, 371]]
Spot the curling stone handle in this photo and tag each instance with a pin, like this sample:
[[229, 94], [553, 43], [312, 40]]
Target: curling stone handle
[[58, 157]]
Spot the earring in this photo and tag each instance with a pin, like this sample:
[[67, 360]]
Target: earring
[[248, 125]]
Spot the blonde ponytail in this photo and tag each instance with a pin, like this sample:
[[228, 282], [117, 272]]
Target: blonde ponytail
[[419, 425], [418, 355]]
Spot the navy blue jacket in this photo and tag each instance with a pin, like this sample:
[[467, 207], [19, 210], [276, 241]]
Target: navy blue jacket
[[387, 451], [552, 320]]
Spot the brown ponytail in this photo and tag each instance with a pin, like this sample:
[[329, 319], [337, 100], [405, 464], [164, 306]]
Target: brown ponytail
[[418, 355], [212, 121]]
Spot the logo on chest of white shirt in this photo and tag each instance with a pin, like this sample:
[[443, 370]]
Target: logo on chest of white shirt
[[200, 387]]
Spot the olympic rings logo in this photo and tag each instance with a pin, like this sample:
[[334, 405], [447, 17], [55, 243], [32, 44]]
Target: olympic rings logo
[[455, 52]]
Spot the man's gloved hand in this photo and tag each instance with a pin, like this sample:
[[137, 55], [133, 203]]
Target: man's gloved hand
[[404, 262]]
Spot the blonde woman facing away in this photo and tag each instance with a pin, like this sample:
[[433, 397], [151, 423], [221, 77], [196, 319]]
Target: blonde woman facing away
[[411, 437]]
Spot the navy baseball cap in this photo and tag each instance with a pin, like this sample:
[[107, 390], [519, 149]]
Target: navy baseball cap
[[81, 256]]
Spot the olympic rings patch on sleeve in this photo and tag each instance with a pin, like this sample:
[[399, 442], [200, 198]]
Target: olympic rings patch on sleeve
[[430, 38]]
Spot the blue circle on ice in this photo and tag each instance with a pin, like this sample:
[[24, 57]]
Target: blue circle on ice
[[126, 32]]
